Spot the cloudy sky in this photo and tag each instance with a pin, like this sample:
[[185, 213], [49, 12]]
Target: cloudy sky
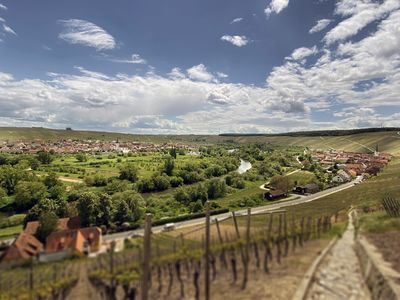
[[189, 66]]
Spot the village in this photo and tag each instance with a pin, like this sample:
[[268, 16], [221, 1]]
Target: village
[[84, 146]]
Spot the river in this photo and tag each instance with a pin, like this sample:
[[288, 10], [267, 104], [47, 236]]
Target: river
[[244, 166]]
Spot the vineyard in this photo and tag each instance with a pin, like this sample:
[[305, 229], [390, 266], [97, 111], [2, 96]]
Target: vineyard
[[178, 264]]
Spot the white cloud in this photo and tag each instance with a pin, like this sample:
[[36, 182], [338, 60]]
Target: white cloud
[[237, 40], [222, 75], [349, 83], [86, 33], [321, 25], [2, 20], [303, 52], [200, 73], [135, 59], [360, 14], [8, 29], [276, 6], [237, 20], [2, 6], [176, 73]]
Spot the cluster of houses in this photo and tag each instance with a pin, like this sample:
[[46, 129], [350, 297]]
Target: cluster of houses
[[348, 165], [67, 240], [87, 146], [344, 166]]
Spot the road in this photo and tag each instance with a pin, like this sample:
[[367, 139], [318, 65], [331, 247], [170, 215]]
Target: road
[[277, 205]]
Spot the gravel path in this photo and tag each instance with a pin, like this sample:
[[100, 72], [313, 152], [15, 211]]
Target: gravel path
[[83, 289], [339, 275]]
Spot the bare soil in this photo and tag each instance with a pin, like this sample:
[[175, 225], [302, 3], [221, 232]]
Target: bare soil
[[388, 244], [280, 283]]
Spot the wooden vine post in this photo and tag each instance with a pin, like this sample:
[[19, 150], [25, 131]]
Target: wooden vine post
[[207, 252], [146, 258], [246, 256]]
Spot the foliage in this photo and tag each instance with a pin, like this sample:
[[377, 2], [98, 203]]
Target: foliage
[[45, 157], [81, 157], [129, 172], [216, 188], [28, 193], [48, 223], [127, 206], [51, 180], [57, 206], [169, 165]]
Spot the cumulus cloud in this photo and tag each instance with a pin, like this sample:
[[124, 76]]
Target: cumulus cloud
[[237, 40], [195, 101], [360, 14], [321, 25], [176, 73], [3, 7], [303, 52], [200, 73], [236, 20], [276, 6], [222, 75], [86, 33]]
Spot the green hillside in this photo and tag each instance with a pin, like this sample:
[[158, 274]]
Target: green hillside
[[361, 141]]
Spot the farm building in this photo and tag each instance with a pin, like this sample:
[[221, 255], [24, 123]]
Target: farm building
[[310, 188], [275, 195]]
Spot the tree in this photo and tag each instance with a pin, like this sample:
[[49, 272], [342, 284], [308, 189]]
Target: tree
[[216, 188], [51, 180], [106, 210], [172, 152], [281, 183], [81, 157], [196, 207], [87, 206], [129, 210], [169, 165], [115, 186], [59, 207], [182, 196], [175, 181], [3, 193], [161, 182], [57, 192], [129, 172], [48, 223], [27, 194], [10, 176], [45, 157]]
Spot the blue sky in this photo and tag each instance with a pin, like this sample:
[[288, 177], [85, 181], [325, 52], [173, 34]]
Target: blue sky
[[185, 66]]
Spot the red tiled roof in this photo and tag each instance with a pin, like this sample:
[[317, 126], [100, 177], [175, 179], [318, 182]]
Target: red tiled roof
[[24, 247]]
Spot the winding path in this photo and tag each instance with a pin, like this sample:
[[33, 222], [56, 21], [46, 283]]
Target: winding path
[[339, 275]]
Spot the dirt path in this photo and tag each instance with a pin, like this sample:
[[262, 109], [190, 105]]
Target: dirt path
[[339, 276], [73, 180], [83, 289]]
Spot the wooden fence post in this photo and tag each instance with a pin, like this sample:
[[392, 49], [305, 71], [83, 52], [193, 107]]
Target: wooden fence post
[[146, 257], [207, 253], [236, 225], [246, 256]]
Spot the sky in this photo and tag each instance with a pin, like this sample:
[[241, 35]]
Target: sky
[[200, 67]]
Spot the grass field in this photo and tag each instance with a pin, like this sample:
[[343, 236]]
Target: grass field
[[9, 232]]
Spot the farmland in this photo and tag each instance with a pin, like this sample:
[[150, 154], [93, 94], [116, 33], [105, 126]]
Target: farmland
[[120, 188]]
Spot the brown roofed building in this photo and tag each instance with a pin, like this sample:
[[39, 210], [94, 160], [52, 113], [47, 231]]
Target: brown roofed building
[[82, 241], [63, 224], [25, 246]]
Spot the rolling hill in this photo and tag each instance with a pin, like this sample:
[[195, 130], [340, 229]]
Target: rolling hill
[[359, 140]]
